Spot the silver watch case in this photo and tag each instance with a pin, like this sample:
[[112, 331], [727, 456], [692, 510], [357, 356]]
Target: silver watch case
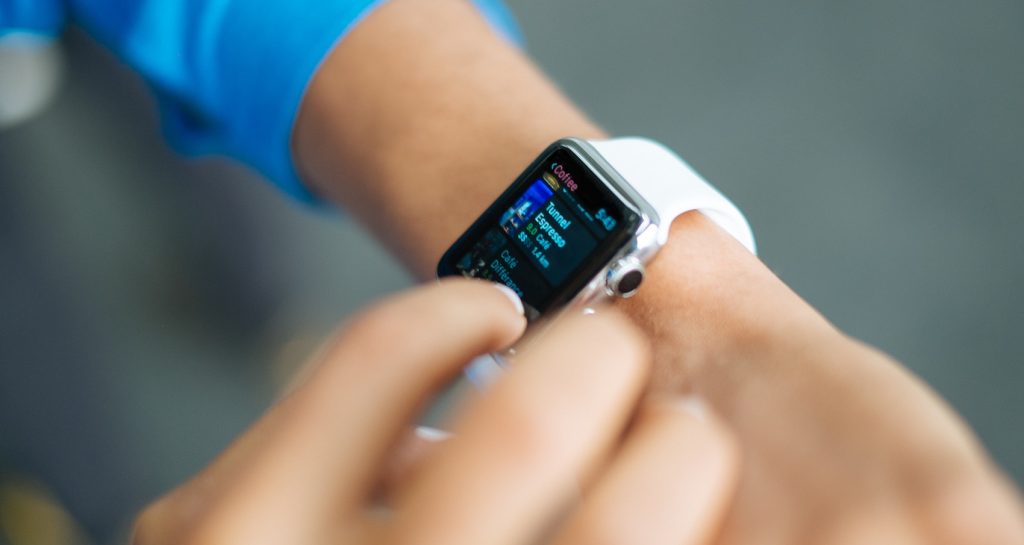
[[642, 245]]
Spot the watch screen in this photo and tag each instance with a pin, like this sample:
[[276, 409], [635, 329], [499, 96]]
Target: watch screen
[[547, 236]]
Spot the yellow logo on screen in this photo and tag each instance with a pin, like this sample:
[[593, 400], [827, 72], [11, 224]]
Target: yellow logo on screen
[[551, 181]]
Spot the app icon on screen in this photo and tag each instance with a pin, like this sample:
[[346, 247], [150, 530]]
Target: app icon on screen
[[535, 196]]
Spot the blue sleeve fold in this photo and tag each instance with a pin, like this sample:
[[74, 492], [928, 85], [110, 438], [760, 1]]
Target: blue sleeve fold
[[230, 74]]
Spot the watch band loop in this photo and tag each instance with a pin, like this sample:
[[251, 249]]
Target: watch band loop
[[671, 186]]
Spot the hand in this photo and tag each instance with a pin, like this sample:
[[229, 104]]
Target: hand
[[840, 444], [308, 471]]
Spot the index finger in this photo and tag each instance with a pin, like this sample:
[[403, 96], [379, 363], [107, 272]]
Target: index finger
[[322, 446]]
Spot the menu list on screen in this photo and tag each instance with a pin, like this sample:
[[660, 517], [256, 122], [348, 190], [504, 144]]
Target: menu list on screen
[[553, 226]]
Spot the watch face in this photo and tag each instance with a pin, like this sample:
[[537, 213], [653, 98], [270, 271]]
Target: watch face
[[547, 235]]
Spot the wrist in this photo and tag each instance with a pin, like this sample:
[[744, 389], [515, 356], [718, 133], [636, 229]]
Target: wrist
[[417, 171], [708, 302]]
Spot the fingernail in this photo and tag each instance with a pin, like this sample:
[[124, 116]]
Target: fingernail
[[512, 296], [693, 406], [433, 435]]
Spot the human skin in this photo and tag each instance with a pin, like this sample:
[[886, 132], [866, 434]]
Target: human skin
[[310, 471], [422, 116]]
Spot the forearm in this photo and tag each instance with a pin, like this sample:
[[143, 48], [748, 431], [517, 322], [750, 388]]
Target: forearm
[[420, 118], [415, 130]]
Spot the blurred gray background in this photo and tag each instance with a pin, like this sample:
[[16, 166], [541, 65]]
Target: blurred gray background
[[150, 307]]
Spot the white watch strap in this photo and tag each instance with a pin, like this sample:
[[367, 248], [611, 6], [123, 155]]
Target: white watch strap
[[671, 186]]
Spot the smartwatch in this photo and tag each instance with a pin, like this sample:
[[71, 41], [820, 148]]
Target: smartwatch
[[582, 222]]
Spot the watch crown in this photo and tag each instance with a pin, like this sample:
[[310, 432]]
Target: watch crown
[[625, 277]]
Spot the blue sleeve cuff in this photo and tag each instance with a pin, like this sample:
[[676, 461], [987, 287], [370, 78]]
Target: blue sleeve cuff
[[45, 17], [263, 60]]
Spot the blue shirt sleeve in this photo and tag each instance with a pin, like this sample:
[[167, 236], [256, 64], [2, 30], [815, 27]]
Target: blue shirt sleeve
[[229, 74]]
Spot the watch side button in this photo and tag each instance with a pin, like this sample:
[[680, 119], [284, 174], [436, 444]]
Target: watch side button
[[624, 278]]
